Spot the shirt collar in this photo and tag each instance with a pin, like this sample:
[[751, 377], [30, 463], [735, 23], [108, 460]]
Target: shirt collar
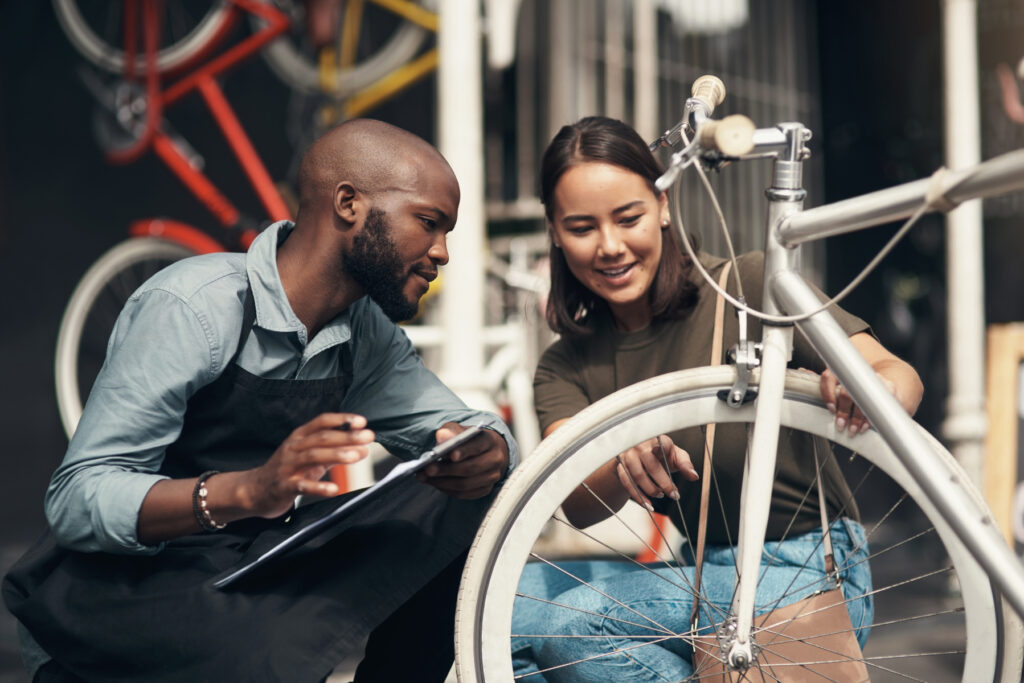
[[273, 312]]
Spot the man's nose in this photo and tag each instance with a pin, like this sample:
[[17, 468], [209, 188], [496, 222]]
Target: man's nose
[[438, 252]]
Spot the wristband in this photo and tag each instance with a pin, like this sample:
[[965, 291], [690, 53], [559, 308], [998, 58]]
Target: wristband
[[199, 508]]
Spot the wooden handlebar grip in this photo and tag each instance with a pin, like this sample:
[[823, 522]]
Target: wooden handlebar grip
[[710, 90], [733, 136]]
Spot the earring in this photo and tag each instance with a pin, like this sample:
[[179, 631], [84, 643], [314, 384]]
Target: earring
[[665, 223]]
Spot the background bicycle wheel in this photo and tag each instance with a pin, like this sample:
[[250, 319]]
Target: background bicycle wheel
[[61, 205]]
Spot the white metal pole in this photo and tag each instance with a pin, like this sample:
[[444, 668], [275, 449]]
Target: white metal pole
[[965, 422], [646, 117], [460, 136]]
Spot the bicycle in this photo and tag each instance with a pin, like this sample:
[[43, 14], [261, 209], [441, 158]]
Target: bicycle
[[931, 491], [133, 125]]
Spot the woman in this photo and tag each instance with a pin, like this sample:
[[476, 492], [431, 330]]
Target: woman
[[629, 306]]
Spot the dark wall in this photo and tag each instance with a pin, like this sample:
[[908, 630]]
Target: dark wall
[[882, 116], [883, 124]]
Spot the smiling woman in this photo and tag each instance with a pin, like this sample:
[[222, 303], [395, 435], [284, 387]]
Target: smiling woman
[[629, 307]]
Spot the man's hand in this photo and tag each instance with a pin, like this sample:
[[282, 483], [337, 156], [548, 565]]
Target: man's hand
[[645, 470], [300, 462], [471, 470]]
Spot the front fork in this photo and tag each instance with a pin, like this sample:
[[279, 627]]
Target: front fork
[[785, 196]]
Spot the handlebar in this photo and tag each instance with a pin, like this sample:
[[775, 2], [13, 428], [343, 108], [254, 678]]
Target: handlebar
[[714, 142], [732, 136]]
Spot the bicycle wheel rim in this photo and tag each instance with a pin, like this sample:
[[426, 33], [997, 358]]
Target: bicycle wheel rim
[[110, 57], [91, 312], [517, 517], [301, 71]]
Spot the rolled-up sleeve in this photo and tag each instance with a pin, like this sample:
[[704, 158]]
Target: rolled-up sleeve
[[404, 402], [161, 351]]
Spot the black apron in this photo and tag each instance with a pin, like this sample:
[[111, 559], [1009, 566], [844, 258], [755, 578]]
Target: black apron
[[107, 617]]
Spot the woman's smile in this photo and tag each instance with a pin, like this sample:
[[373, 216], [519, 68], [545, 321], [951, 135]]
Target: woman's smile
[[617, 275]]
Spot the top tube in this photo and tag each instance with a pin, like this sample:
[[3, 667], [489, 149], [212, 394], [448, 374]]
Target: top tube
[[1004, 173]]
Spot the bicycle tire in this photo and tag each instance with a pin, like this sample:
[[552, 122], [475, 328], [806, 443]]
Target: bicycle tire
[[300, 71], [991, 630], [196, 35], [91, 312]]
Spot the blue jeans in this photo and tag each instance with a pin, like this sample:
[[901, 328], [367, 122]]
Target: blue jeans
[[648, 604]]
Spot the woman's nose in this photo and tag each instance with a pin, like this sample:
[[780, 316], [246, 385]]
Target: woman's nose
[[610, 243]]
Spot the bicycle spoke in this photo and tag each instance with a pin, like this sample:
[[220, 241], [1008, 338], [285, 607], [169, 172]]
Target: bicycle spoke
[[688, 588], [702, 603], [573, 608], [600, 592], [602, 655], [628, 528]]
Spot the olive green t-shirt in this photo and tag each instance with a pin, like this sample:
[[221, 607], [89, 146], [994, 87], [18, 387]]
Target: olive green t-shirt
[[575, 372]]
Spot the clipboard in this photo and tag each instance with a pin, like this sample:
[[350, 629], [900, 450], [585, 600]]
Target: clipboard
[[311, 531]]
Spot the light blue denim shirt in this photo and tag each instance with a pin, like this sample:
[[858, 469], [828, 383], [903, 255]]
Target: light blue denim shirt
[[175, 335]]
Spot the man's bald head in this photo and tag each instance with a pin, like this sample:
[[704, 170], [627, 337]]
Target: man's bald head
[[374, 156]]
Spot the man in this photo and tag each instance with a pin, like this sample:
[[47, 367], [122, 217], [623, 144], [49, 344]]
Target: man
[[233, 382]]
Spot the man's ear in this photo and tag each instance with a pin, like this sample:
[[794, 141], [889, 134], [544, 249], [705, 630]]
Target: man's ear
[[346, 201]]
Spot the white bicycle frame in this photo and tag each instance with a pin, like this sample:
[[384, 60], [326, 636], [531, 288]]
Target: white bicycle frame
[[788, 226]]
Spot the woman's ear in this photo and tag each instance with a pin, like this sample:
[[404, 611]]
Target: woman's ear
[[346, 199], [666, 219], [551, 233]]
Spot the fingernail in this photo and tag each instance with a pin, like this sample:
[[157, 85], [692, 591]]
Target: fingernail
[[660, 494], [863, 428], [674, 494], [840, 423], [332, 489], [650, 508], [831, 407]]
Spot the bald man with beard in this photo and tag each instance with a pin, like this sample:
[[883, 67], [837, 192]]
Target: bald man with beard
[[232, 383]]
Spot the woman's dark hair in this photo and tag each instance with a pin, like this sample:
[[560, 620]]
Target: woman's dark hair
[[601, 139]]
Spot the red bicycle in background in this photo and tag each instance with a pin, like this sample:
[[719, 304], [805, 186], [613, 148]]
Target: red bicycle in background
[[156, 72]]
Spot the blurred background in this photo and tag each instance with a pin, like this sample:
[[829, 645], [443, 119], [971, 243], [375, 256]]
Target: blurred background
[[74, 182]]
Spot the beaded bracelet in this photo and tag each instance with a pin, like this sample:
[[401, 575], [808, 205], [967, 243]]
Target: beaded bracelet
[[199, 509]]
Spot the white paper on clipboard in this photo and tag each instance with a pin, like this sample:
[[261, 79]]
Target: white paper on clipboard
[[311, 531]]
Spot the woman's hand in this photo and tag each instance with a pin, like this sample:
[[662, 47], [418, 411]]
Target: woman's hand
[[301, 461], [645, 470], [899, 378], [840, 403]]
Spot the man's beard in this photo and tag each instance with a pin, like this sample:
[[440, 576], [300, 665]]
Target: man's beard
[[373, 262]]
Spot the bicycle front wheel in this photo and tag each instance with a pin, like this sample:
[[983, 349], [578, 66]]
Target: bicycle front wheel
[[92, 310], [936, 615], [189, 29]]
